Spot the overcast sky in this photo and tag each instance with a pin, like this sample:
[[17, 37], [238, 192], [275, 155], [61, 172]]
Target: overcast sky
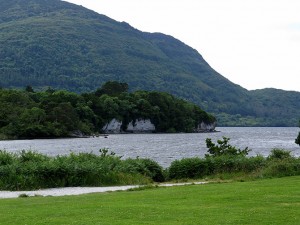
[[253, 43]]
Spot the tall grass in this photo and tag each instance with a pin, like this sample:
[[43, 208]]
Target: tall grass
[[32, 170], [281, 163], [201, 168], [278, 164]]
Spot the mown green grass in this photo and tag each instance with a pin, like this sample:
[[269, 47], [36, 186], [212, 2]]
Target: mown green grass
[[269, 201]]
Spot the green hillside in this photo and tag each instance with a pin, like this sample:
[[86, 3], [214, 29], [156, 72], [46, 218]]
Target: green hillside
[[54, 43]]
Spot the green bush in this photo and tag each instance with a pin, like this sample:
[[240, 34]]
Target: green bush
[[6, 158], [225, 164], [282, 167], [188, 168], [279, 154], [221, 158], [30, 170], [224, 148], [199, 168], [147, 167], [297, 140], [31, 156]]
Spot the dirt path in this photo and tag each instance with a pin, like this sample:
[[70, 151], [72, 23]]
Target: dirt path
[[79, 190]]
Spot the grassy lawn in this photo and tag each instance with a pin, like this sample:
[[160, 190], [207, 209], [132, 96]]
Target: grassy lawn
[[270, 201]]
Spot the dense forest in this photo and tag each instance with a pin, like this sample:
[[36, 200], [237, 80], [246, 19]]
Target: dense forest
[[60, 113], [52, 43]]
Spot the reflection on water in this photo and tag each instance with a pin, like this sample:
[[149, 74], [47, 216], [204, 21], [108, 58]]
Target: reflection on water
[[165, 148]]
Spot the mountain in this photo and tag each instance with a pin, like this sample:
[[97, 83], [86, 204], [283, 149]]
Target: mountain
[[58, 44]]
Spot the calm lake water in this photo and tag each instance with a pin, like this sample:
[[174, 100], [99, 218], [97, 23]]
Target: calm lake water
[[165, 148]]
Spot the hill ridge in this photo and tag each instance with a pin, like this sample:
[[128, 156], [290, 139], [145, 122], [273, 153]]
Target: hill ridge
[[62, 45]]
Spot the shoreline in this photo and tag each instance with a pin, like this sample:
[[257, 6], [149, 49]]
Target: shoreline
[[104, 135]]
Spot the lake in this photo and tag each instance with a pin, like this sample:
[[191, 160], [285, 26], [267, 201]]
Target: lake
[[165, 148]]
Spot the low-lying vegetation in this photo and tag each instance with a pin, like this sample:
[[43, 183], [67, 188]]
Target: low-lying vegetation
[[236, 167], [31, 170], [226, 161]]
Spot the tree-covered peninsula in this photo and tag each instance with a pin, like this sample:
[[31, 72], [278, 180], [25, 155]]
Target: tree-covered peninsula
[[60, 113]]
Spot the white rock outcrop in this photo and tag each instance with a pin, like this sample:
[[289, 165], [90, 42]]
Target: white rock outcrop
[[140, 126], [206, 127], [146, 126], [113, 127]]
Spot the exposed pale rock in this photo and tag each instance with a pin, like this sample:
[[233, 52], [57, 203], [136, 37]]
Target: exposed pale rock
[[140, 125], [145, 126], [113, 127], [206, 127]]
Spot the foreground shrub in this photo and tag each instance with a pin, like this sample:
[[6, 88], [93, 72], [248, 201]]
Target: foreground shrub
[[147, 167], [281, 163], [199, 168], [6, 158], [188, 168], [223, 148], [225, 164], [278, 164], [279, 154], [282, 167], [31, 170]]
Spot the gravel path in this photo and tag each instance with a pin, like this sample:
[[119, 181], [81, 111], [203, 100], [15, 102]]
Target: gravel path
[[78, 190]]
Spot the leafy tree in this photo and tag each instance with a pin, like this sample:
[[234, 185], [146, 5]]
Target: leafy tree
[[28, 88], [112, 88], [65, 115], [110, 106], [224, 148], [297, 141], [279, 154], [33, 116], [32, 123]]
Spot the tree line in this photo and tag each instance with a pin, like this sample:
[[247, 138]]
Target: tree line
[[60, 113]]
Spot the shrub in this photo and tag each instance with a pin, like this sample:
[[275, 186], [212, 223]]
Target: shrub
[[6, 158], [199, 168], [31, 156], [297, 140], [224, 148], [225, 164], [146, 167], [279, 154], [188, 168], [282, 167], [23, 195], [30, 170]]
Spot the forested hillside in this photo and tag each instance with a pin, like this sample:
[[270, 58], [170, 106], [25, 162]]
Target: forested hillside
[[51, 43]]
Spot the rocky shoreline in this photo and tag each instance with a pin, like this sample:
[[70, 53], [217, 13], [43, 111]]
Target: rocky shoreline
[[146, 126]]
